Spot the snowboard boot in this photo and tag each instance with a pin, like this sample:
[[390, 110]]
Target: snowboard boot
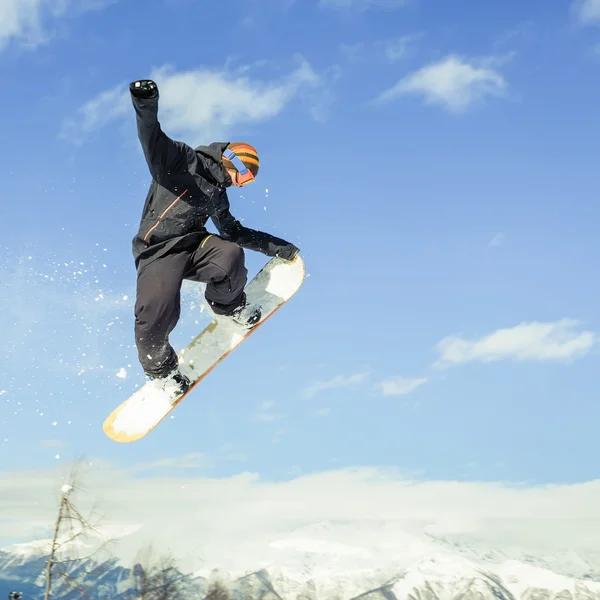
[[247, 315], [174, 384]]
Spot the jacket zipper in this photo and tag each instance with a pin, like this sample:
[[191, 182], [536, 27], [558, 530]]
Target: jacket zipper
[[163, 214]]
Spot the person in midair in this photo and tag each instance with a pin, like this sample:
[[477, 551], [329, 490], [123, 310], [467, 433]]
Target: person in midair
[[189, 186]]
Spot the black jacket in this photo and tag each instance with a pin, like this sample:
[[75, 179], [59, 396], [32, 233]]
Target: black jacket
[[188, 188]]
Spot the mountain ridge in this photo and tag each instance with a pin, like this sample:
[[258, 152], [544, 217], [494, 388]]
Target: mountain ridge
[[322, 562]]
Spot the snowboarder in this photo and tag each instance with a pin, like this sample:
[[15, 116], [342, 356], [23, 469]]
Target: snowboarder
[[189, 186]]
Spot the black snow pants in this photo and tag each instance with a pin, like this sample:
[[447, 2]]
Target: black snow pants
[[218, 263]]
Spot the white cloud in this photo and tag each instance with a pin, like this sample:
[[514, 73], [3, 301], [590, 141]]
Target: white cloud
[[362, 5], [452, 82], [496, 242], [193, 460], [97, 113], [267, 417], [277, 437], [400, 386], [352, 52], [558, 341], [264, 416], [391, 50], [242, 522], [587, 11], [28, 22], [203, 105], [398, 48], [339, 381]]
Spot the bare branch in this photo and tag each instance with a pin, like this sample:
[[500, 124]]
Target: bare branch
[[217, 591], [73, 583], [158, 578], [70, 526]]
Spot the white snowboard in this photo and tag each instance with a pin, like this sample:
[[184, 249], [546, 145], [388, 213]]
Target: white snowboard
[[272, 287]]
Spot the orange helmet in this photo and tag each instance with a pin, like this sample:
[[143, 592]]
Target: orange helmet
[[243, 158]]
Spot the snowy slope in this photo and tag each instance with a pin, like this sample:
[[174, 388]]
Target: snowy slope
[[100, 579], [327, 562]]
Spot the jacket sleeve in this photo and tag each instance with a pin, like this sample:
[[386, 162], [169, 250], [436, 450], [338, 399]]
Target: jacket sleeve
[[161, 152], [232, 230]]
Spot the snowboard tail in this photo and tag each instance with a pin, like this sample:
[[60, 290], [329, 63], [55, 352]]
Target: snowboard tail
[[271, 288]]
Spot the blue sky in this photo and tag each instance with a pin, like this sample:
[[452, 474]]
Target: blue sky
[[436, 166]]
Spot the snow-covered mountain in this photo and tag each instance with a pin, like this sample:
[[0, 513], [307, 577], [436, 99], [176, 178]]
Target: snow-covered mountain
[[318, 563], [107, 579]]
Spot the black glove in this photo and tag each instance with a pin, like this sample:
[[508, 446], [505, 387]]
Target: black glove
[[287, 252], [144, 88]]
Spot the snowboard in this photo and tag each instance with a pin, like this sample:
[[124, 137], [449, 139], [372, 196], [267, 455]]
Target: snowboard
[[271, 288]]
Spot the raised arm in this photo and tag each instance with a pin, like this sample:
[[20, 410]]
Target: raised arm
[[231, 229], [163, 154]]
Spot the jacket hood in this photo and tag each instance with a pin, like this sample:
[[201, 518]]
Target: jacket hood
[[211, 157]]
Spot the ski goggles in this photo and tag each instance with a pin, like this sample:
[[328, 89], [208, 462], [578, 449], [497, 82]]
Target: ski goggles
[[245, 175]]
